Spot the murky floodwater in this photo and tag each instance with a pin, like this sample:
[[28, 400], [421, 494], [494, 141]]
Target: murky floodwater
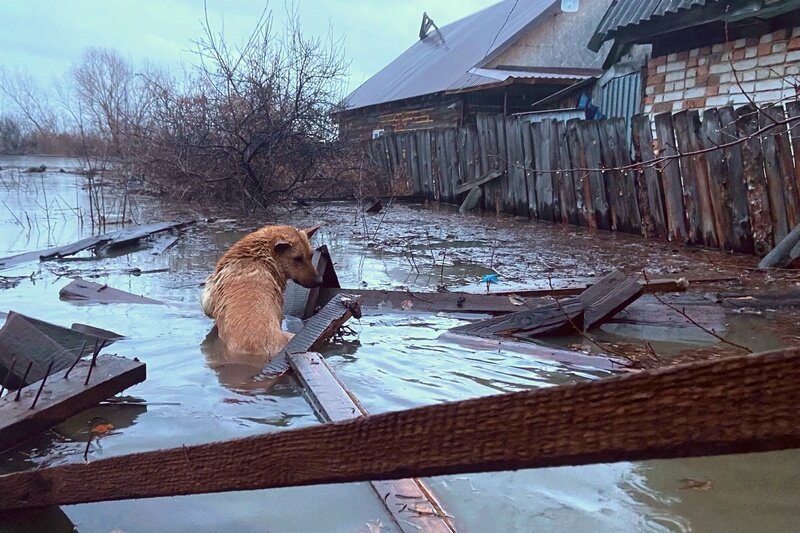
[[396, 361]]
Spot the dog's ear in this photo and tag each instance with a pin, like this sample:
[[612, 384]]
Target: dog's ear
[[282, 246], [311, 231]]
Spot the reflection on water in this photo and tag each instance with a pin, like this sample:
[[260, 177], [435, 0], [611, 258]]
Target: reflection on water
[[396, 362]]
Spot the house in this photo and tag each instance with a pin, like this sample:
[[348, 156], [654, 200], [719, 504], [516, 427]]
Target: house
[[499, 60], [703, 54]]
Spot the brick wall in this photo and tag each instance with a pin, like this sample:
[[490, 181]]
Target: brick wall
[[767, 69]]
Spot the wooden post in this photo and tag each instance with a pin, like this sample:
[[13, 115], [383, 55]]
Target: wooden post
[[737, 187], [648, 175], [731, 405], [758, 198], [671, 180]]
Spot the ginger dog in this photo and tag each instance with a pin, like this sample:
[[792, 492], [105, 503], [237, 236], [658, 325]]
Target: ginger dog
[[245, 293]]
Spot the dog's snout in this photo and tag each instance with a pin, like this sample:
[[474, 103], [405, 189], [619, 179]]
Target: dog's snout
[[318, 281]]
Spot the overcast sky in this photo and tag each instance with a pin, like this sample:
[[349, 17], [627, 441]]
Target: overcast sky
[[47, 36]]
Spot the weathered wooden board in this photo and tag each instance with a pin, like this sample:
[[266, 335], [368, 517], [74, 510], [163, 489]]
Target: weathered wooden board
[[316, 331], [554, 318], [62, 398], [612, 177], [775, 184], [569, 203], [781, 255], [711, 136], [435, 302], [583, 197], [405, 499], [793, 112], [472, 200], [736, 184], [758, 197], [786, 165], [671, 179], [724, 406], [694, 174], [91, 292], [607, 297], [492, 175], [648, 174], [631, 220], [596, 190]]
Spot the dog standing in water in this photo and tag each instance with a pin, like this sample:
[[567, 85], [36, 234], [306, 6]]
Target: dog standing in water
[[245, 293]]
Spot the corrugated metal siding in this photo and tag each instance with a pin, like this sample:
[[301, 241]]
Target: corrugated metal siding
[[622, 97], [631, 12]]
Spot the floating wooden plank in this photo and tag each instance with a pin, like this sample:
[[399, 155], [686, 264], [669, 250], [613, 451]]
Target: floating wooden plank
[[406, 499], [125, 236], [607, 297], [90, 292], [316, 331], [554, 318], [724, 406], [490, 176], [435, 302], [757, 197], [300, 302], [651, 184], [61, 398], [28, 340], [671, 180]]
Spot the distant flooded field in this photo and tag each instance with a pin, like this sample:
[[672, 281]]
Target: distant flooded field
[[394, 361]]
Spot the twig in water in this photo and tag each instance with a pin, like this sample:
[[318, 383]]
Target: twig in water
[[693, 321]]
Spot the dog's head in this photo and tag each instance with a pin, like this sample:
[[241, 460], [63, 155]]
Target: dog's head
[[293, 253]]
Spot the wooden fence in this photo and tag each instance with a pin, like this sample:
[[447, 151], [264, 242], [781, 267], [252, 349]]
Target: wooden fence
[[737, 188]]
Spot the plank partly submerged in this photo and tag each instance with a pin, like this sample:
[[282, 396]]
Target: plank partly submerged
[[732, 405]]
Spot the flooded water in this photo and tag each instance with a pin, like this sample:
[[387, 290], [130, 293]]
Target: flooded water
[[395, 361]]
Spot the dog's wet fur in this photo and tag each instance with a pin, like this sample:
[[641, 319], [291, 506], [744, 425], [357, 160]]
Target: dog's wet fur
[[244, 295]]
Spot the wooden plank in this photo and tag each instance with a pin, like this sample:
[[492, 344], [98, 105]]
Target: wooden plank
[[611, 177], [671, 180], [451, 153], [758, 199], [630, 217], [530, 171], [426, 161], [781, 256], [793, 112], [595, 187], [583, 198], [643, 146], [316, 331], [438, 164], [718, 178], [569, 204], [559, 183], [90, 292], [61, 398], [492, 175], [736, 186], [542, 143], [405, 499], [742, 404], [552, 318], [436, 302], [483, 143], [786, 165], [694, 173], [472, 201], [775, 185], [607, 297], [518, 193]]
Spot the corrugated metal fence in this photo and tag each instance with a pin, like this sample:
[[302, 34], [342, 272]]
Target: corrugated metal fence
[[739, 191]]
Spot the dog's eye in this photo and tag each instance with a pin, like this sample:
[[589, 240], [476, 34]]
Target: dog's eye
[[298, 259]]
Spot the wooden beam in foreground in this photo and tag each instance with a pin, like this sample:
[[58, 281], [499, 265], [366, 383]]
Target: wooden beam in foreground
[[409, 501], [316, 331], [734, 405], [61, 398]]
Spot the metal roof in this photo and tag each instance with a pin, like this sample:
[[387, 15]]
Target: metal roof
[[624, 13], [433, 64]]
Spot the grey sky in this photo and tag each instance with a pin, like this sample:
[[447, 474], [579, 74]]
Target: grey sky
[[46, 37]]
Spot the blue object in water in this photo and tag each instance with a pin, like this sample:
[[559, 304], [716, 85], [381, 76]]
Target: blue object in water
[[490, 278]]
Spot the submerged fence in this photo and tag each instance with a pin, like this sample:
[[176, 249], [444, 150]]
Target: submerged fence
[[727, 181]]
